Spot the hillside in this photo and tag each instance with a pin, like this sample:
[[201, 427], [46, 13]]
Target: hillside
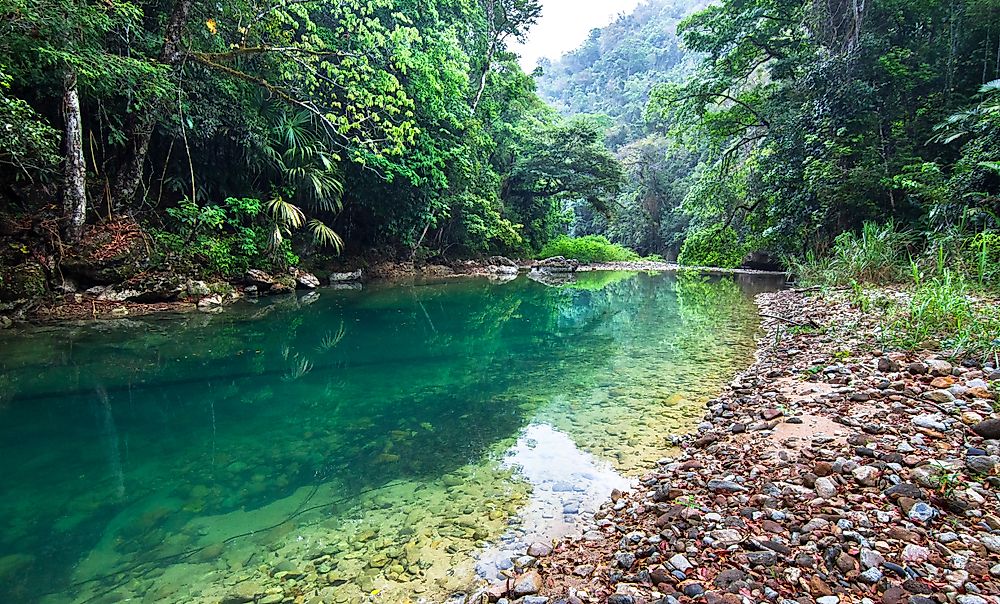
[[613, 71]]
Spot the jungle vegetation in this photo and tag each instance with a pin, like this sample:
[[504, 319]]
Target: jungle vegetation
[[253, 132], [782, 124]]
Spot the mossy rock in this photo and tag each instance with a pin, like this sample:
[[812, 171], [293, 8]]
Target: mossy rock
[[22, 282], [104, 259]]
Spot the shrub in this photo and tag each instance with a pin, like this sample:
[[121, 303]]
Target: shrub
[[222, 240], [715, 246], [592, 248]]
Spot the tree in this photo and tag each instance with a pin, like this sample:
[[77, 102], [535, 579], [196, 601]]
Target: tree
[[505, 19], [74, 169], [560, 162]]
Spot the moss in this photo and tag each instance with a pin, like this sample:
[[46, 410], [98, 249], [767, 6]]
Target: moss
[[221, 287], [21, 282]]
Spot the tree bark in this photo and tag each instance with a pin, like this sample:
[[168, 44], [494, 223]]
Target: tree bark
[[142, 122], [74, 168]]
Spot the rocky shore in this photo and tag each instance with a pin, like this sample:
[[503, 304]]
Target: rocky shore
[[105, 283], [828, 472]]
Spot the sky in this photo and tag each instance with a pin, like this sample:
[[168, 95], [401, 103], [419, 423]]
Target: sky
[[565, 24]]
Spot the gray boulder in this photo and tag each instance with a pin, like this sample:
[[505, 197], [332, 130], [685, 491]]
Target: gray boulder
[[346, 277]]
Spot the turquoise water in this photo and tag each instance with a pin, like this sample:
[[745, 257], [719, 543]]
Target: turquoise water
[[384, 444]]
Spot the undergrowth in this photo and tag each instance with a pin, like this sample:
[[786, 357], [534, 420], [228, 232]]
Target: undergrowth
[[949, 286], [880, 254], [592, 248], [946, 311]]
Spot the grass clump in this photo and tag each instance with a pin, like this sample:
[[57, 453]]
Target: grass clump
[[879, 254], [592, 248], [715, 246], [943, 312]]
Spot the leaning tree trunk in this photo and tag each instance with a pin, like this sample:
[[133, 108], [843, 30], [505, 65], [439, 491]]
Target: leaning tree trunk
[[74, 170], [142, 122]]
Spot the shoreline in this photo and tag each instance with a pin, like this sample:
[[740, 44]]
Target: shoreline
[[82, 307], [827, 472]]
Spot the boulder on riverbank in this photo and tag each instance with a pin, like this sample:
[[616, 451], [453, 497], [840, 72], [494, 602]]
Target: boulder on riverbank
[[146, 288], [267, 284], [108, 253], [348, 277], [501, 265], [557, 264]]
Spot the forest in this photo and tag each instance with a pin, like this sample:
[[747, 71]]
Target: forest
[[265, 134], [250, 134], [780, 125]]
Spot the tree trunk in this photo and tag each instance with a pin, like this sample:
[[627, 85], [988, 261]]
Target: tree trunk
[[74, 169], [486, 73], [142, 122]]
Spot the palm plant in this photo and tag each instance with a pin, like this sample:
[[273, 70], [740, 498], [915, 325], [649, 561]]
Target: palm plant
[[298, 155]]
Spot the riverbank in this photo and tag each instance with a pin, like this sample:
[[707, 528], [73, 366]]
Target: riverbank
[[827, 472], [154, 292]]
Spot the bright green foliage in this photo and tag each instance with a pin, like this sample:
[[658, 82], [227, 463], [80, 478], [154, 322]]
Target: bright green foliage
[[715, 246], [592, 248], [29, 141], [226, 240], [404, 124], [815, 118], [560, 162]]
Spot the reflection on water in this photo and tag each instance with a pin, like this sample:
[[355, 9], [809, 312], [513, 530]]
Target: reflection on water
[[567, 485], [360, 442]]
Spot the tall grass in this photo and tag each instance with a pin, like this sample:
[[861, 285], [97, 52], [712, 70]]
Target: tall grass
[[945, 311], [951, 293], [879, 254]]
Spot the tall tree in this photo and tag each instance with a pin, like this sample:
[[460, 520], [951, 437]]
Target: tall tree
[[505, 19], [75, 170]]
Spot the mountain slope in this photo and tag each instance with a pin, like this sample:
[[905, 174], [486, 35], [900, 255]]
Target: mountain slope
[[613, 71]]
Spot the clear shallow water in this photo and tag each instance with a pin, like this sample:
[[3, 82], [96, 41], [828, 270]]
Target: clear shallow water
[[384, 444]]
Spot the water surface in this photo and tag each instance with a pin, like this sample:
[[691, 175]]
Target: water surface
[[385, 444]]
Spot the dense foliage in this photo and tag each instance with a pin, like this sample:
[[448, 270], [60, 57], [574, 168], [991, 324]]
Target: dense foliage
[[613, 71], [592, 248], [816, 117], [784, 123], [400, 124], [611, 75]]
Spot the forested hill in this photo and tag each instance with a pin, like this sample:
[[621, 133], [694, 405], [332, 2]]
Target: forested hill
[[613, 71]]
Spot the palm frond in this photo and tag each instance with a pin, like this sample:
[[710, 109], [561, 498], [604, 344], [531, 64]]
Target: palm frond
[[325, 236], [285, 214], [301, 367], [990, 87], [331, 340]]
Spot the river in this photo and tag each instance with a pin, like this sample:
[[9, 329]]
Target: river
[[391, 444]]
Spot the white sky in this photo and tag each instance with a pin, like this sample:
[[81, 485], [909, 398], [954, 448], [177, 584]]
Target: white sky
[[565, 24]]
